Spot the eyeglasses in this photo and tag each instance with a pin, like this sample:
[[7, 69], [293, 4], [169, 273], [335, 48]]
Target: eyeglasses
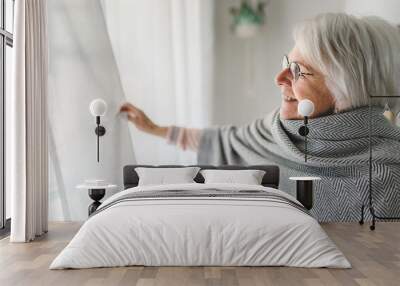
[[294, 68]]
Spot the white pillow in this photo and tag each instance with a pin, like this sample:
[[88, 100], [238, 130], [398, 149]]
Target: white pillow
[[162, 176], [249, 177]]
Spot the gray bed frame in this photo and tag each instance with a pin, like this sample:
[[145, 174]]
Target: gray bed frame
[[270, 179]]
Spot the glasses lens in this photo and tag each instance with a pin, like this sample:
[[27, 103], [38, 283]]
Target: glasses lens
[[295, 70], [285, 62]]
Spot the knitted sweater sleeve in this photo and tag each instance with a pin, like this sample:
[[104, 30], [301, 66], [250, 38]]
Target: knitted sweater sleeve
[[184, 138]]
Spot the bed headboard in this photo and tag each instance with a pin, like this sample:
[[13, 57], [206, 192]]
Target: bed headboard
[[270, 179]]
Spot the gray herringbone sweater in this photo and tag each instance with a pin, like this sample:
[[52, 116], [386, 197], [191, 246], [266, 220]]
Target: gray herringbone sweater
[[338, 153]]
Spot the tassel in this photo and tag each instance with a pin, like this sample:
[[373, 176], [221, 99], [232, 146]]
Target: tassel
[[389, 114]]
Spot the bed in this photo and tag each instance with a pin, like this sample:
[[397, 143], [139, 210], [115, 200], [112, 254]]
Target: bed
[[198, 224]]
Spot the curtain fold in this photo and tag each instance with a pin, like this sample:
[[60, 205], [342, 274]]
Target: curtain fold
[[27, 123], [164, 50], [192, 38]]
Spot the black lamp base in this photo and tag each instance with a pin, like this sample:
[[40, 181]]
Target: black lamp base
[[303, 130], [100, 130]]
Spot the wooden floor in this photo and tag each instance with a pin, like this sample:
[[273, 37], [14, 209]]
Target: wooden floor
[[375, 257]]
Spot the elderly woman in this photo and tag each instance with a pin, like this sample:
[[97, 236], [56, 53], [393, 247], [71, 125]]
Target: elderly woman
[[337, 62]]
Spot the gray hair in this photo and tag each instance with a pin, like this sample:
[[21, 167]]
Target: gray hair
[[358, 56]]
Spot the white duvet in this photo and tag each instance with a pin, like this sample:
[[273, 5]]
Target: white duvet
[[212, 231]]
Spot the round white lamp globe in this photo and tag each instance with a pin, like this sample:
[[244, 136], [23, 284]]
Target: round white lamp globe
[[98, 107], [305, 107]]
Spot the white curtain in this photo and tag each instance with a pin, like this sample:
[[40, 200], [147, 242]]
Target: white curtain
[[165, 55], [193, 58], [26, 120]]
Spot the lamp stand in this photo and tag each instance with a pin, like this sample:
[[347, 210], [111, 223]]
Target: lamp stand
[[303, 131], [100, 131]]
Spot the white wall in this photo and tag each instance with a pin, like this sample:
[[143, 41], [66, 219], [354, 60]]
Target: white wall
[[81, 68], [245, 69], [387, 9]]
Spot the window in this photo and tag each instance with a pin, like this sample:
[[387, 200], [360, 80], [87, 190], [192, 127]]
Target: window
[[6, 44]]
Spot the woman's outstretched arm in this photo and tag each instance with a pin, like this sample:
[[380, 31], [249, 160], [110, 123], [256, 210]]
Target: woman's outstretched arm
[[218, 145]]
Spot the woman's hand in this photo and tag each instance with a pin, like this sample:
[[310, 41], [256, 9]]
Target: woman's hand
[[141, 121]]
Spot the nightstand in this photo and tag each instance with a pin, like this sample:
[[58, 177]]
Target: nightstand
[[96, 193], [304, 190]]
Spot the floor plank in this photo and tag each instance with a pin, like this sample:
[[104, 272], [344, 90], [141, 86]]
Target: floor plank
[[375, 257]]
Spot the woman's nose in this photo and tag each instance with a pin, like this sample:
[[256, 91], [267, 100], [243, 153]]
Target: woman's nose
[[283, 78]]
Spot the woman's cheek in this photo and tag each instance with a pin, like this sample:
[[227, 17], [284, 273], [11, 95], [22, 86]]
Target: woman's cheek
[[303, 92]]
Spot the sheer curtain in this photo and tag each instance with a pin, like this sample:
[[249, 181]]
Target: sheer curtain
[[192, 33], [164, 51], [26, 119]]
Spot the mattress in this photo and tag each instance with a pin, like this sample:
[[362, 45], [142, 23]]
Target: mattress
[[201, 225]]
